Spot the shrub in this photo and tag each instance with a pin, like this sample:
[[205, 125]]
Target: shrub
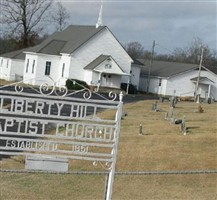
[[74, 84], [132, 89]]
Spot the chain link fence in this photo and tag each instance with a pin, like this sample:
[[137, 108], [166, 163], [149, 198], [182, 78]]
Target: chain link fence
[[25, 184]]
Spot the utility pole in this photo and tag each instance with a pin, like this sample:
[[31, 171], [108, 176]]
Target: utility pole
[[150, 66], [198, 78]]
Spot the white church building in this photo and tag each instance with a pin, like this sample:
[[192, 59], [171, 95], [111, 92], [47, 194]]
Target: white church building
[[86, 53]]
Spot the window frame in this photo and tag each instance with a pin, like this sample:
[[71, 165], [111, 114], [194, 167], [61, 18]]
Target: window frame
[[63, 69], [108, 66], [7, 64], [47, 68], [27, 65], [33, 66]]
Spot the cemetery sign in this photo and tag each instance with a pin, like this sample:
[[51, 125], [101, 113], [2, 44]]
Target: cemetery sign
[[51, 121]]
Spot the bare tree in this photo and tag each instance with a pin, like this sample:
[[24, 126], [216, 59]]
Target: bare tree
[[60, 17], [7, 45], [23, 18], [135, 49], [192, 52]]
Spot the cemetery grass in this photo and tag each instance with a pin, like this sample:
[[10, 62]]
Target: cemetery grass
[[162, 147]]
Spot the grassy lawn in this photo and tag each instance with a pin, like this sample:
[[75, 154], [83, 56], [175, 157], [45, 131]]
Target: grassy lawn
[[162, 148], [3, 82]]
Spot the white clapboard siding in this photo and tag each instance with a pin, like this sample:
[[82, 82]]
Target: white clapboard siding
[[181, 84], [5, 68], [104, 43], [135, 75], [187, 88], [10, 69], [38, 76]]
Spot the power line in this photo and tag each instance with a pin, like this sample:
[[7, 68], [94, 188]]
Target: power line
[[163, 47]]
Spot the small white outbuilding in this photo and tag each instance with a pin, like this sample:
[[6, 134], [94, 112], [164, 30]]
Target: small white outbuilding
[[169, 78], [12, 65]]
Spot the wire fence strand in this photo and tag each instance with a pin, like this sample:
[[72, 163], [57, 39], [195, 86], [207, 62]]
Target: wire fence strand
[[116, 173]]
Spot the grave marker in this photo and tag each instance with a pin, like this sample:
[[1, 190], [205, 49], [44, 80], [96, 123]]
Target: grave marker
[[173, 100], [169, 114], [155, 107], [140, 129], [183, 126]]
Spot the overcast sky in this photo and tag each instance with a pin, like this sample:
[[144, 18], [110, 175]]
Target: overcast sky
[[172, 24]]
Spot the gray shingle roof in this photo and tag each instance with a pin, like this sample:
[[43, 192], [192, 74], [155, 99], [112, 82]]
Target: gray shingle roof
[[96, 62], [137, 62], [66, 41], [165, 69], [54, 47], [18, 54]]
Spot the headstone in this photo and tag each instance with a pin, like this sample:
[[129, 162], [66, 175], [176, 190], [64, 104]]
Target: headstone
[[209, 100], [154, 107], [183, 126], [173, 101], [169, 114], [172, 120], [140, 129], [161, 99]]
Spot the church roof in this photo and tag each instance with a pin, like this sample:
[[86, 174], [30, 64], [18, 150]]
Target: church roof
[[67, 41]]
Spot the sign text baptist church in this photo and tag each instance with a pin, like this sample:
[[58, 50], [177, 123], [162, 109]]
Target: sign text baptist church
[[56, 126]]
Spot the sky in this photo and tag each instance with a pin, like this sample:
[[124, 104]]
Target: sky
[[172, 24]]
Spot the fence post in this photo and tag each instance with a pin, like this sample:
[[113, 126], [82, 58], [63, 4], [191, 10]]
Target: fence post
[[106, 186], [114, 151]]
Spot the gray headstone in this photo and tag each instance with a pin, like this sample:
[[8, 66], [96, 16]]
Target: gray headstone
[[170, 112]]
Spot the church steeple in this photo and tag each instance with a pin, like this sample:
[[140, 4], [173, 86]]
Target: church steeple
[[99, 21]]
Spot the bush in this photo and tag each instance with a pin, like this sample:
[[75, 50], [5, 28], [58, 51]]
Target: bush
[[132, 89], [74, 84]]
